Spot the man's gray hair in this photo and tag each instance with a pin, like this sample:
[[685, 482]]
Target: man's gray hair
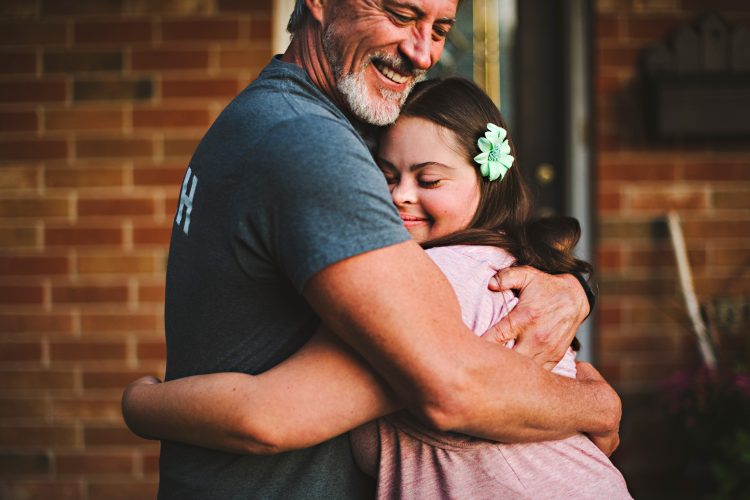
[[298, 15]]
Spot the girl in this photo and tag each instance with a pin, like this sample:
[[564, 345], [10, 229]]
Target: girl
[[453, 179]]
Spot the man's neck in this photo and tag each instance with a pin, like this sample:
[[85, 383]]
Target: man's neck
[[306, 50]]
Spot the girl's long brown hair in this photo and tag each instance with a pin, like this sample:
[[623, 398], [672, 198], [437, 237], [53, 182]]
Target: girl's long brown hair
[[505, 215]]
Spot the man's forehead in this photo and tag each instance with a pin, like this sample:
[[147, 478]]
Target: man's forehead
[[440, 9]]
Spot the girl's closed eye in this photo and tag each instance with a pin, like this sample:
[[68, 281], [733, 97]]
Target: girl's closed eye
[[429, 182]]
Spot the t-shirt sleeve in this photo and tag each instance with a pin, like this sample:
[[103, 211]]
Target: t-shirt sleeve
[[319, 198]]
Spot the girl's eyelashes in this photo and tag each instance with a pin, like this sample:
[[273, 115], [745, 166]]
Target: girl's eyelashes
[[429, 183]]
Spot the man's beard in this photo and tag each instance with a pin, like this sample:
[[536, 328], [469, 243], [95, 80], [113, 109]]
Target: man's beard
[[353, 86]]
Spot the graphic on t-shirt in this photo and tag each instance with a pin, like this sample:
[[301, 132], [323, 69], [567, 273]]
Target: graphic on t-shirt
[[186, 200]]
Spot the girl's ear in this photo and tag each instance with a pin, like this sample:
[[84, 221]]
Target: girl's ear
[[317, 9]]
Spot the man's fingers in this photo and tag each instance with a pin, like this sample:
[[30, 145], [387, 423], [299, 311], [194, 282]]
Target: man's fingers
[[508, 328], [512, 278]]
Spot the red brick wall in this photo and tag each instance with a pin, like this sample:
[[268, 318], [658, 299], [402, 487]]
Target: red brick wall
[[644, 334], [101, 104]]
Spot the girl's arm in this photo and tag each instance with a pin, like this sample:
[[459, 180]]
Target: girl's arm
[[323, 390]]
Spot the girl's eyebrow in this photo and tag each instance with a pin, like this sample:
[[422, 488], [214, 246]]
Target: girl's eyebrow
[[412, 168]]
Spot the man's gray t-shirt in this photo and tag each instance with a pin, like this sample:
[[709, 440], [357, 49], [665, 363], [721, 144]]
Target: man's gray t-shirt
[[280, 187]]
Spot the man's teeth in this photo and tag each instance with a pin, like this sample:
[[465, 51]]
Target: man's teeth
[[392, 75]]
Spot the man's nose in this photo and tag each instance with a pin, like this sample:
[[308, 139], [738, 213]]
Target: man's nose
[[418, 47]]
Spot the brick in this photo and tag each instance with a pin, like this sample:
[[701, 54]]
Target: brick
[[31, 207], [608, 201], [108, 89], [152, 351], [671, 198], [33, 265], [117, 32], [151, 293], [662, 257], [607, 27], [170, 7], [29, 380], [109, 435], [180, 148], [84, 177], [18, 295], [715, 228], [655, 28], [154, 235], [199, 30], [87, 294], [639, 343], [158, 175], [37, 323], [45, 490], [33, 33], [243, 59], [150, 463], [17, 63], [618, 56], [18, 121], [72, 119], [224, 88], [84, 236], [114, 148], [81, 62], [33, 91], [260, 29], [127, 322], [717, 5], [88, 409], [636, 171], [109, 379], [722, 256], [80, 7], [13, 465], [124, 264], [171, 118], [38, 149], [608, 316], [19, 351], [87, 351], [24, 409], [18, 9], [38, 435], [732, 200], [717, 170], [123, 490], [18, 237], [631, 229], [19, 178], [86, 464], [245, 6], [637, 287], [115, 206], [608, 258], [163, 59]]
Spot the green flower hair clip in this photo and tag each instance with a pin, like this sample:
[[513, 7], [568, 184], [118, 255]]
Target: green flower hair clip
[[495, 159]]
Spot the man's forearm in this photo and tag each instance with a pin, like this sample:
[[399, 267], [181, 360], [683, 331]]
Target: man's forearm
[[522, 402]]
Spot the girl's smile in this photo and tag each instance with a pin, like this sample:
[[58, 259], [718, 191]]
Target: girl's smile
[[433, 185]]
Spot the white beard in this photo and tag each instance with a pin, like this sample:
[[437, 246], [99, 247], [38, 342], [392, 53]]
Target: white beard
[[376, 110]]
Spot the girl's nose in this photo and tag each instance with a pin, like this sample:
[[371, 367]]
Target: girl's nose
[[403, 193]]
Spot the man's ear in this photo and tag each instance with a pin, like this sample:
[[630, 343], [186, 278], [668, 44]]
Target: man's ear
[[317, 9]]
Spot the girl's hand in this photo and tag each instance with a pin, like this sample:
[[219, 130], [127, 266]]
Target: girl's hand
[[549, 311], [608, 440]]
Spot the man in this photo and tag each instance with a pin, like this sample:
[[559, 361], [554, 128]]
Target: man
[[284, 220]]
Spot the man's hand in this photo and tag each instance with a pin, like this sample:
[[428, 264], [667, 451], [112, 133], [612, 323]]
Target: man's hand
[[607, 441], [549, 311]]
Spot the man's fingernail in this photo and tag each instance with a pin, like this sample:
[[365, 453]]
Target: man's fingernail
[[494, 282]]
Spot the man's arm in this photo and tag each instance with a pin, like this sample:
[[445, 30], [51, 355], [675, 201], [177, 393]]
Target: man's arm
[[408, 328]]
